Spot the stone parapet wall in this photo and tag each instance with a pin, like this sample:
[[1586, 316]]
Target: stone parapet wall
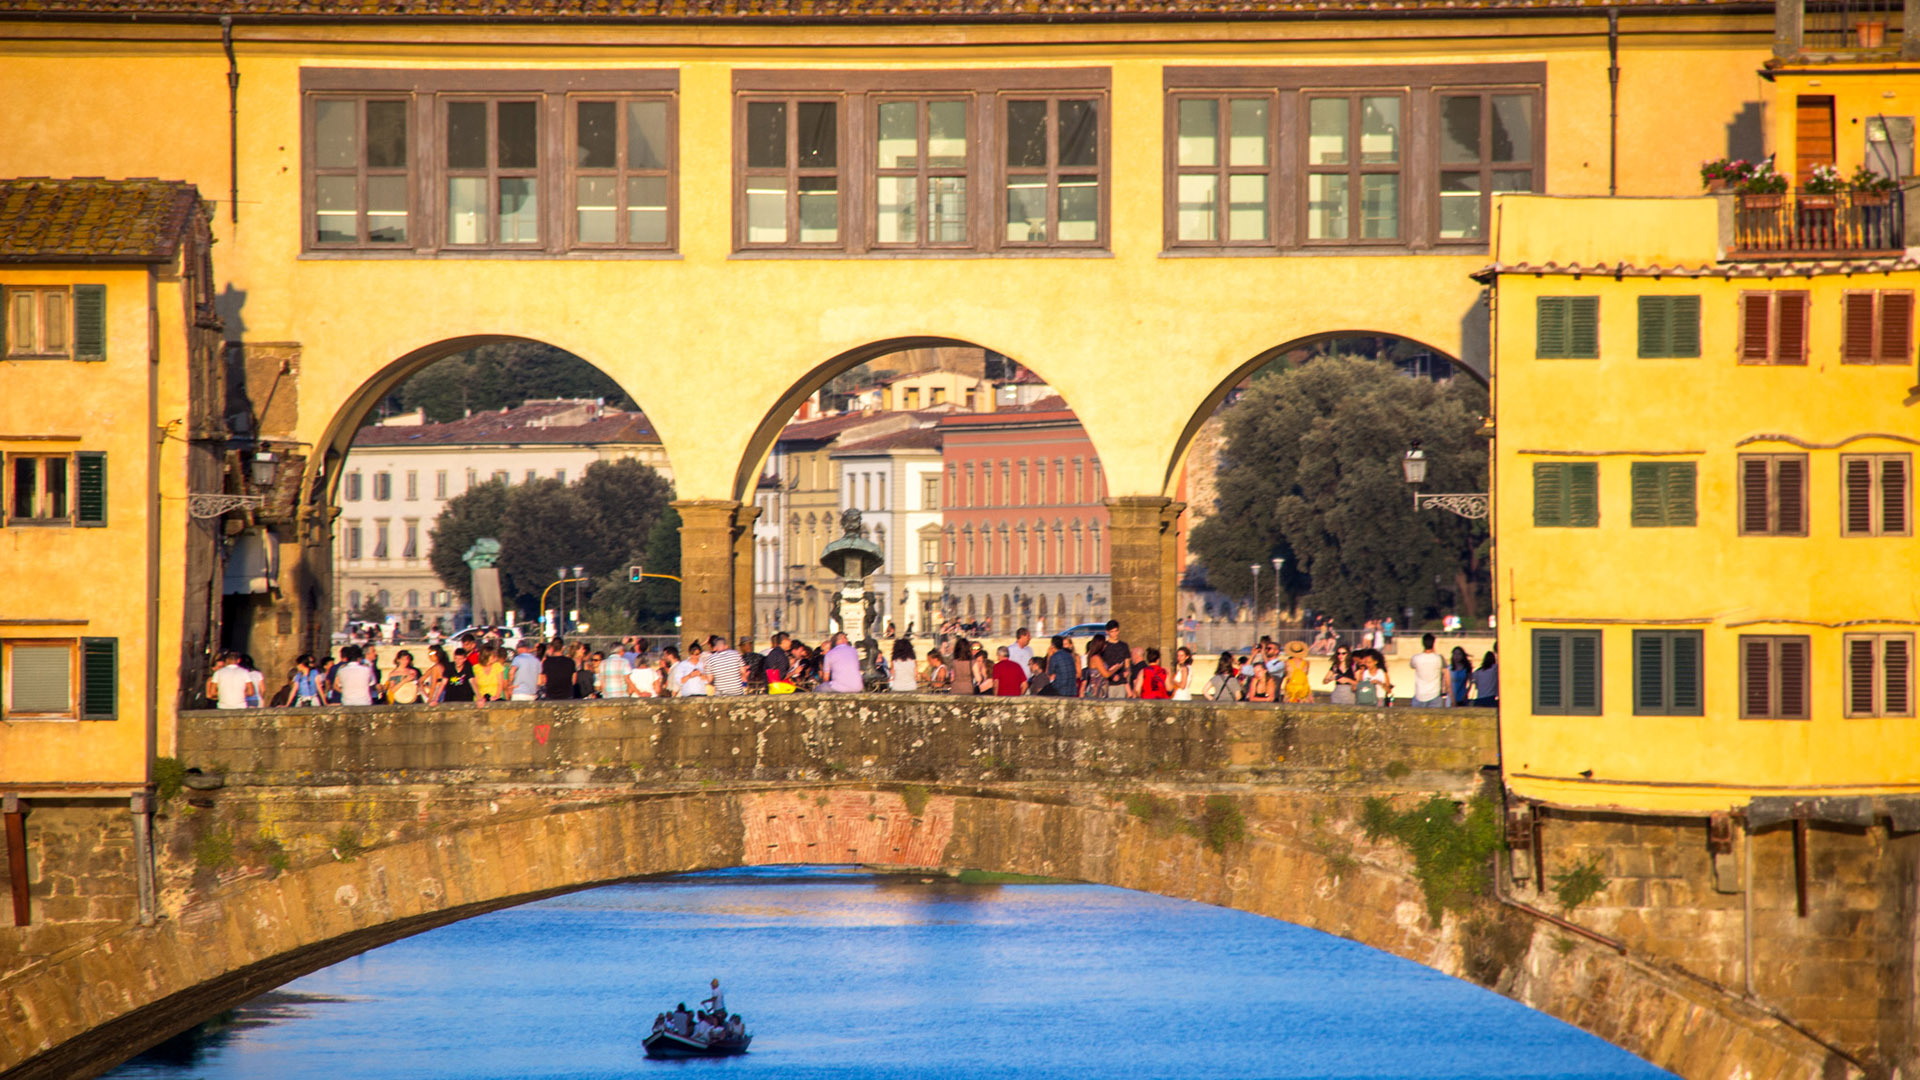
[[826, 736]]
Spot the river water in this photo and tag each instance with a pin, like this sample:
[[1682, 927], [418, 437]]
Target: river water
[[851, 976]]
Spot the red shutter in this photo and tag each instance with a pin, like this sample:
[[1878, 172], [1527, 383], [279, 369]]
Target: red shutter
[[1856, 486], [1896, 327], [1893, 496], [1753, 495], [1856, 321], [1756, 324], [1790, 496], [1756, 661], [1792, 336], [1792, 660]]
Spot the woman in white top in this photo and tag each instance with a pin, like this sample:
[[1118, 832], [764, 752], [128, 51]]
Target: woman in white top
[[644, 679], [1374, 674], [902, 671], [1182, 682]]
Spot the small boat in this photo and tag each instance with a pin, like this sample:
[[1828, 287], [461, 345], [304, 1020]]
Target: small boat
[[663, 1043]]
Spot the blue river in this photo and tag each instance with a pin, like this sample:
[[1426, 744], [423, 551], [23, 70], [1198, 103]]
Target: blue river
[[851, 976]]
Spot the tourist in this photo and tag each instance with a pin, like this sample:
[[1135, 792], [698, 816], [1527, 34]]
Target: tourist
[[1261, 686], [309, 685], [755, 675], [586, 676], [980, 669], [903, 673], [354, 679], [1009, 676], [1486, 683], [725, 670], [230, 683], [1093, 674], [1021, 650], [803, 668], [777, 659], [402, 687], [1225, 684], [1429, 676], [1295, 675], [1118, 657], [643, 679], [1150, 679], [1343, 675], [612, 673], [718, 1011], [1460, 675], [439, 672], [688, 677], [939, 673], [1063, 668], [1182, 681], [1038, 684], [840, 668], [459, 686], [523, 678], [490, 677], [256, 682], [1372, 685]]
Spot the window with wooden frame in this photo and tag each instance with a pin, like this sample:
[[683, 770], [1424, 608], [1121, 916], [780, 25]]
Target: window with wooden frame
[[1566, 327], [1773, 327], [1566, 494], [59, 679], [491, 156], [382, 486], [1223, 151], [922, 160], [1663, 494], [1566, 672], [58, 322], [1669, 327], [930, 492], [1879, 674], [1773, 677], [1667, 677], [791, 151], [1876, 326], [362, 185], [1053, 179], [622, 172], [1487, 146], [1876, 495], [1773, 494], [55, 489], [1355, 157]]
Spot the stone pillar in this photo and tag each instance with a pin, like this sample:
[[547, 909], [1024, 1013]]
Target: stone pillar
[[706, 567], [1143, 575], [1910, 30], [1787, 27], [743, 520]]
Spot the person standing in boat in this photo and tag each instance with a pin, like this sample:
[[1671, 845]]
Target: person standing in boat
[[718, 1004]]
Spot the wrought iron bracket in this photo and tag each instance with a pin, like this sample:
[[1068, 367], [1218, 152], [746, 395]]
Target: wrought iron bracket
[[214, 504], [1466, 504]]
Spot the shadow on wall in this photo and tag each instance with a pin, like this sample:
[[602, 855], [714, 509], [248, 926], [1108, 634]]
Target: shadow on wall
[[1746, 133], [1476, 337]]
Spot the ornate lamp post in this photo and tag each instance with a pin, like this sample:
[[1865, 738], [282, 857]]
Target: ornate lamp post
[[1253, 594], [1413, 466], [1277, 564]]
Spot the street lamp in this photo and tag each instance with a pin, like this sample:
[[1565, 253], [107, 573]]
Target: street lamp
[[1254, 594], [263, 468], [579, 593], [1413, 466], [1277, 564]]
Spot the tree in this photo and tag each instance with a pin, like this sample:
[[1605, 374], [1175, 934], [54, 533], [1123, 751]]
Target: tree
[[649, 606], [468, 516], [626, 499], [502, 375], [547, 526], [1311, 473]]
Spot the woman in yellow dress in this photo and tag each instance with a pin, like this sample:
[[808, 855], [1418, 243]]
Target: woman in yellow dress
[[486, 675], [1295, 686]]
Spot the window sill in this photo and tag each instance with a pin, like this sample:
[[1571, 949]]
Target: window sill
[[40, 719], [750, 254], [39, 523], [592, 255], [1315, 252], [39, 356]]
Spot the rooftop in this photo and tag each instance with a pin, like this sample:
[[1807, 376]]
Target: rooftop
[[564, 422], [919, 438], [93, 220]]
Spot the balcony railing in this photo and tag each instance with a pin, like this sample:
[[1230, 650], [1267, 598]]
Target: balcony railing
[[1847, 223], [1840, 26]]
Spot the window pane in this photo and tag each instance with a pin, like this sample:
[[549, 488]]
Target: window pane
[[896, 198], [947, 134], [1199, 206], [647, 135], [1079, 133], [899, 135], [53, 476], [20, 322], [1512, 180], [1247, 207], [596, 135], [26, 476], [466, 210], [336, 134], [42, 678], [387, 209], [1327, 131], [54, 327], [947, 209], [767, 211], [1026, 209], [1327, 207], [467, 135], [335, 209], [1027, 134], [1079, 208], [519, 211], [519, 135], [819, 209], [647, 210], [767, 135], [1513, 127], [594, 209], [386, 134], [1459, 205], [819, 135], [1248, 142], [1199, 133], [1460, 130], [1379, 207], [1379, 130]]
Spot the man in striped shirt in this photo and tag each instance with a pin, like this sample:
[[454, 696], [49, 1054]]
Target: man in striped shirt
[[724, 668]]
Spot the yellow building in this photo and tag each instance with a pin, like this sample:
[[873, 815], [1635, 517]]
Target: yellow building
[[110, 427]]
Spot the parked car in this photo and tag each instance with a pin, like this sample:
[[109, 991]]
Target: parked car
[[509, 635], [1084, 630]]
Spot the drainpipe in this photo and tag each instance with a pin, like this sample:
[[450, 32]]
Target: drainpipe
[[1746, 906], [1613, 100], [233, 119]]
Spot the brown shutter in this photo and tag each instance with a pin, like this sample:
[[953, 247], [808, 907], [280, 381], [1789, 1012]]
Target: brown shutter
[[1896, 666], [1860, 676], [1756, 676], [1790, 496], [1856, 486], [1756, 326], [1893, 496], [1753, 495], [1856, 321], [1792, 661], [1791, 337], [1896, 327]]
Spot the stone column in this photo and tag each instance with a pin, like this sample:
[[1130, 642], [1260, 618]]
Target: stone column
[[1787, 15], [706, 567], [1144, 579], [743, 520]]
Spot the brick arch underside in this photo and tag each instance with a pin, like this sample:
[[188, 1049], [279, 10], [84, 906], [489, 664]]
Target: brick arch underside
[[138, 987]]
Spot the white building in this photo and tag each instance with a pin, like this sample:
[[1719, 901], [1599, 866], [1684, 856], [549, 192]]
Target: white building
[[402, 472], [894, 481]]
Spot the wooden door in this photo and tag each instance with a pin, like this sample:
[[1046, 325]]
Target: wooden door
[[1812, 135]]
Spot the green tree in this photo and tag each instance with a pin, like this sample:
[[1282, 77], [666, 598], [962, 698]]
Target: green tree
[[620, 605], [502, 375], [1310, 472], [547, 526], [626, 499], [468, 516]]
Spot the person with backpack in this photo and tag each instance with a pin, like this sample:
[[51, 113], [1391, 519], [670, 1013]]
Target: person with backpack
[[1373, 687], [1150, 679], [1225, 684]]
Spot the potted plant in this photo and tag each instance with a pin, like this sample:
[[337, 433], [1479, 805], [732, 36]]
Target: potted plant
[[1822, 185], [1723, 174], [1762, 188], [1870, 188]]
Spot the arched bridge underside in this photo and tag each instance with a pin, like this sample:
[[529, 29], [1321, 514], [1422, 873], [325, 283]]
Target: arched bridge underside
[[329, 869]]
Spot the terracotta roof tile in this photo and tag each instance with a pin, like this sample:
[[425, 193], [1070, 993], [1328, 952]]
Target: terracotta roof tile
[[519, 427], [925, 438], [90, 220]]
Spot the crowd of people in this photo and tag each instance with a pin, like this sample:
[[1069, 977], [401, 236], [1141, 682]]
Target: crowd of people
[[1105, 667]]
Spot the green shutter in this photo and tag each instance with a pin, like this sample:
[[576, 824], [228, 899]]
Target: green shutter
[[1583, 494], [1549, 672], [90, 502], [1679, 480], [1583, 327], [1683, 658], [99, 678], [1550, 327], [1583, 673], [1649, 504], [1549, 494], [89, 322], [1656, 326], [1649, 673], [1686, 326]]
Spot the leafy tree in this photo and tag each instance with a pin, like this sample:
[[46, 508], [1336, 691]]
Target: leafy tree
[[371, 610], [547, 526], [627, 498], [502, 375], [649, 607], [1310, 472], [468, 516]]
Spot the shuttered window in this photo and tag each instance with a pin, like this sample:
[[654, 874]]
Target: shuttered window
[[1566, 494], [1875, 495], [1663, 494], [1773, 677], [37, 680], [1876, 327], [1669, 326], [99, 678], [90, 322], [1566, 672], [1879, 674], [1773, 328], [1773, 494], [1666, 673], [1567, 327], [90, 489]]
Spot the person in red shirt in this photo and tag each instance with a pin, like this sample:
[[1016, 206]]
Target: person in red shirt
[[1009, 678]]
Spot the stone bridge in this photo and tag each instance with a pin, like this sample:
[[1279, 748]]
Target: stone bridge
[[337, 831]]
